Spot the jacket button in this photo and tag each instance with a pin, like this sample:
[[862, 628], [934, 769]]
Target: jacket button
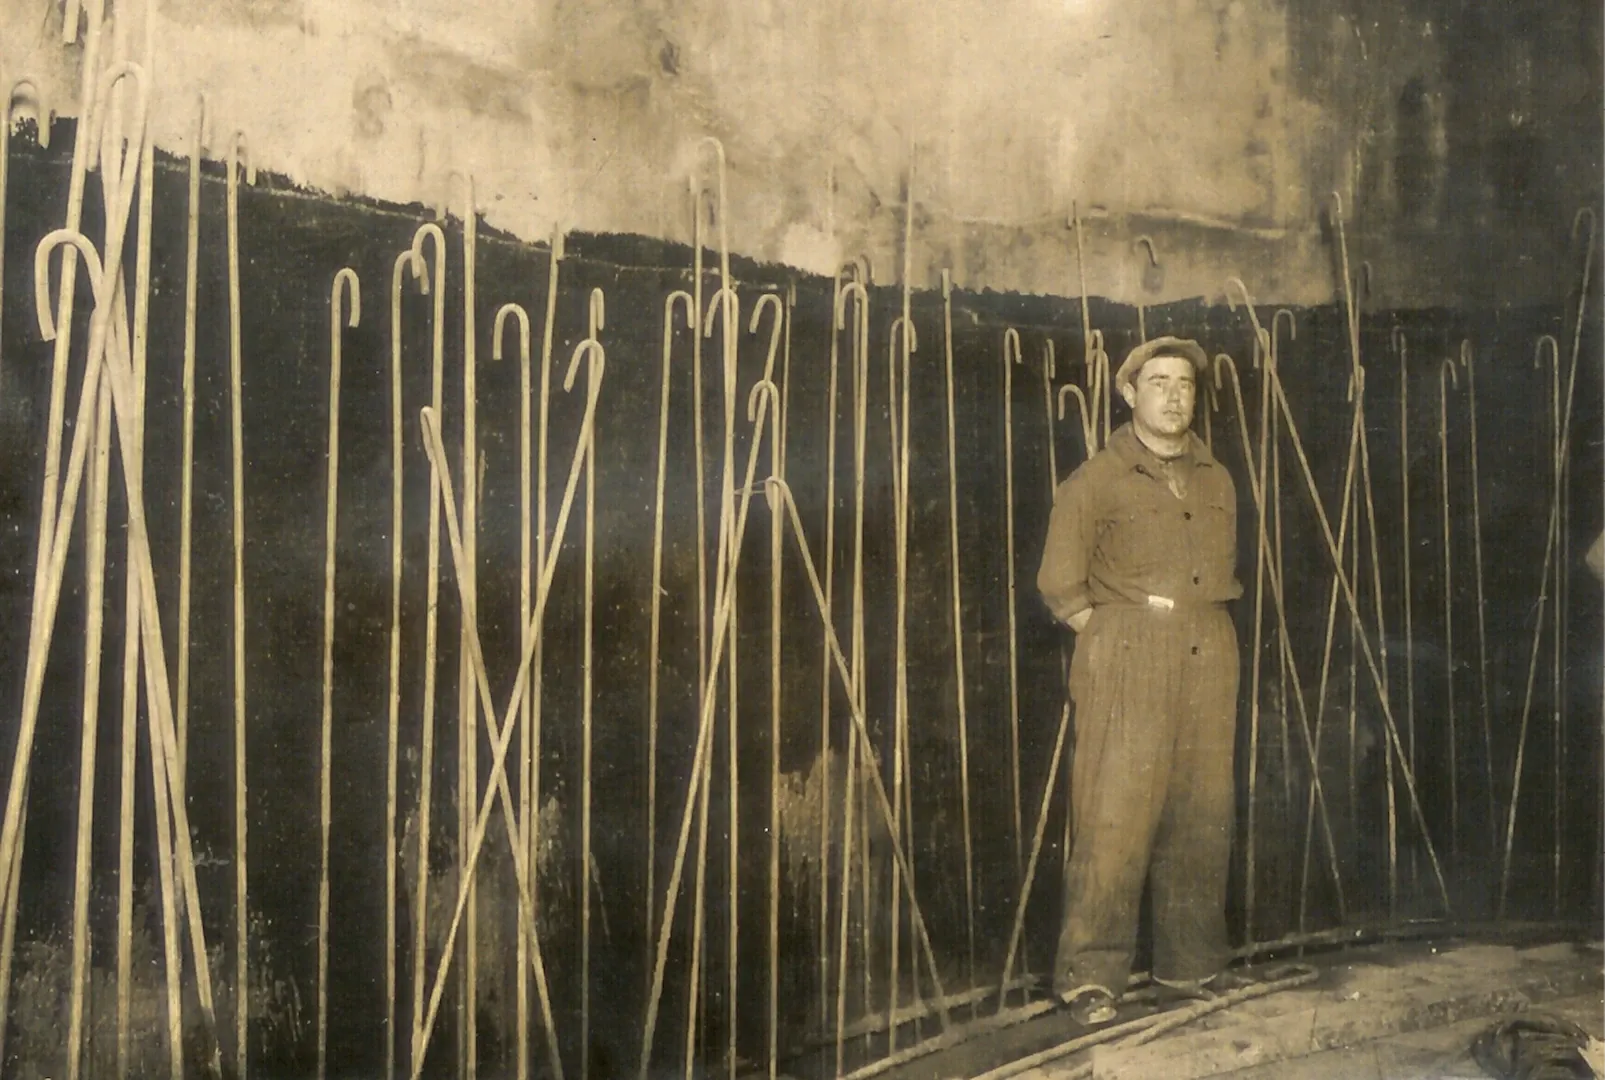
[[1195, 579], [1187, 515], [1195, 650]]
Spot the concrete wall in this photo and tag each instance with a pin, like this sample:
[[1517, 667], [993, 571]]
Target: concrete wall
[[1216, 127]]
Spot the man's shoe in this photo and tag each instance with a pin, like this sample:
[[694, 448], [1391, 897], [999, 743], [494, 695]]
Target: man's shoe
[[1175, 991], [1231, 979], [1090, 1006], [1168, 992]]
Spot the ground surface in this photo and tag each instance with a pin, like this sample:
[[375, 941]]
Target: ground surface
[[1400, 1010]]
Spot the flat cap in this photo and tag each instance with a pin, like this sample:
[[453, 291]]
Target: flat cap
[[1160, 346]]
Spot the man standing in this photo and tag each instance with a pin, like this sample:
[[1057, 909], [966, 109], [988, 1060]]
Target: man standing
[[1140, 561]]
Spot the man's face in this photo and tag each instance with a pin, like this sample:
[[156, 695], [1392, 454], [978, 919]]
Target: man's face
[[1161, 396]]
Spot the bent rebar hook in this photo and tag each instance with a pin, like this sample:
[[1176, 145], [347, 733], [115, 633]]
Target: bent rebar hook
[[1276, 341], [1554, 351], [1262, 339], [1292, 329], [1050, 371], [426, 768], [767, 300], [1011, 346], [26, 91], [41, 275], [237, 147], [1153, 265], [1555, 577], [715, 306], [1538, 350], [1224, 360], [905, 327], [725, 300], [598, 312], [856, 288], [592, 349], [1098, 385], [755, 398], [1011, 357], [103, 143], [405, 261], [345, 285], [764, 399], [429, 230], [902, 332], [1088, 430], [688, 302], [49, 576], [520, 315], [1074, 223]]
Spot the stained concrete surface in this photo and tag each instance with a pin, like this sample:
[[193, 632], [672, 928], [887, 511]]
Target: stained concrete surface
[[1437, 1054], [1390, 1011], [1387, 1011], [1369, 998], [1216, 127]]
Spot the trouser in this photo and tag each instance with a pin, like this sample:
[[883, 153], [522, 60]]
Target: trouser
[[1152, 795]]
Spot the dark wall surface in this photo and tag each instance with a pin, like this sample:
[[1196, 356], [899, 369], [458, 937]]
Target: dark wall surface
[[292, 246]]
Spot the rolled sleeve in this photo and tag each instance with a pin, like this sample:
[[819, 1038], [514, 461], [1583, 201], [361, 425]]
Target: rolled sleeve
[[1062, 578]]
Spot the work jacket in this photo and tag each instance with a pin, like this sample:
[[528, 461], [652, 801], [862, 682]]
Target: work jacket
[[1119, 535]]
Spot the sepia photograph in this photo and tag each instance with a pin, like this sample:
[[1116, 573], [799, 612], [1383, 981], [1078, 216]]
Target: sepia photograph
[[802, 540]]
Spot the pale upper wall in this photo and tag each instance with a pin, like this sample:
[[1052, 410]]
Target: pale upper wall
[[1215, 127]]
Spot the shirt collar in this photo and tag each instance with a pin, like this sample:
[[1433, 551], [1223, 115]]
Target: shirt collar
[[1134, 455]]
